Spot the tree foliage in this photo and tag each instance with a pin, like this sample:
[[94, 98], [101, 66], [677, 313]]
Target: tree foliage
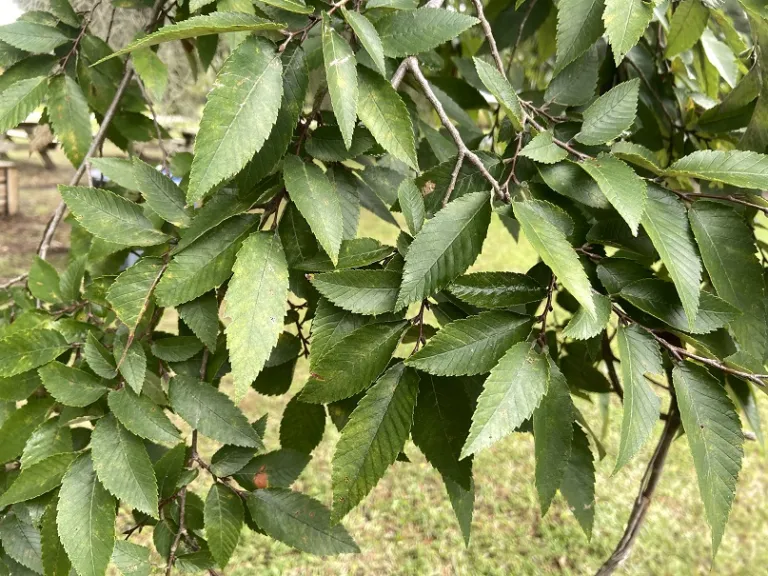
[[625, 140]]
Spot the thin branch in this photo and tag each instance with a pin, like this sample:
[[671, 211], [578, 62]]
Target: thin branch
[[418, 320], [12, 281], [610, 360], [691, 196], [179, 532], [542, 338], [489, 36], [158, 130], [454, 178]]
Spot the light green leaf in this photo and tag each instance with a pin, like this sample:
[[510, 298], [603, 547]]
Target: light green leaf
[[411, 205], [133, 362], [720, 55], [22, 351], [331, 325], [354, 253], [383, 112], [317, 201], [142, 417], [445, 247], [373, 437], [734, 167], [43, 281], [20, 100], [111, 217], [341, 75], [666, 223], [299, 521], [579, 25], [575, 84], [497, 289], [578, 486], [510, 394], [86, 519], [161, 194], [255, 305], [131, 559], [37, 479], [224, 516], [295, 6], [32, 37], [411, 32], [238, 116], [553, 247], [471, 345], [99, 358], [20, 425], [715, 437], [131, 293], [582, 326], [499, 86], [211, 412], [543, 149], [120, 170], [623, 188], [55, 560], [368, 36], [463, 503], [19, 387], [202, 317], [638, 155], [70, 386], [152, 72], [685, 27], [70, 117], [611, 114], [625, 22], [361, 291]]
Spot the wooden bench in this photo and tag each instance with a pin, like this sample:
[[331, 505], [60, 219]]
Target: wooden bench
[[9, 189]]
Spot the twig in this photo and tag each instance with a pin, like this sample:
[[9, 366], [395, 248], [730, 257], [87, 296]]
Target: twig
[[158, 131], [304, 32], [489, 36], [454, 178], [519, 38], [610, 359], [691, 196], [542, 338], [12, 281], [399, 74], [179, 532], [418, 320], [513, 160], [80, 35]]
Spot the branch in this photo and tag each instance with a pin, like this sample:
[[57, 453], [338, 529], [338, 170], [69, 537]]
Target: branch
[[179, 532], [12, 281], [489, 36], [691, 196], [609, 363], [542, 338]]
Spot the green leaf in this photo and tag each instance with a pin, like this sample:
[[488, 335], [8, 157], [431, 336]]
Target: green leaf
[[70, 117], [37, 479], [238, 116], [497, 289], [86, 519], [118, 169], [553, 247], [368, 37], [411, 205], [328, 145], [666, 223], [123, 466], [211, 412], [471, 345], [611, 114], [20, 100], [329, 326], [32, 37], [542, 149], [223, 521], [447, 245], [553, 435], [55, 560], [133, 362], [299, 521], [19, 387], [463, 503], [575, 84], [302, 426], [317, 201], [361, 291], [19, 426], [568, 179], [168, 470], [714, 435], [99, 358], [405, 32], [582, 326], [295, 6], [255, 305], [47, 439], [726, 244], [383, 112], [578, 486], [685, 27], [204, 265], [44, 282], [638, 155], [111, 217], [499, 86], [625, 22], [21, 542], [352, 363], [214, 23], [22, 351], [202, 317], [142, 417], [161, 194], [579, 25], [152, 72], [72, 279], [510, 394], [176, 348], [130, 294], [373, 437], [70, 386], [734, 167], [279, 468], [354, 253], [131, 559], [341, 75], [623, 188], [434, 183]]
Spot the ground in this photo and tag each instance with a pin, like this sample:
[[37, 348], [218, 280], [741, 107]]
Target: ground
[[406, 526]]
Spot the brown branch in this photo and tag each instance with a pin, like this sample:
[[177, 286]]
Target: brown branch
[[179, 532], [542, 338], [691, 196], [12, 281], [158, 131], [489, 36], [418, 320], [610, 359], [454, 178]]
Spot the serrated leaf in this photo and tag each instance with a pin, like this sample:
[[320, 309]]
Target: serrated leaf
[[131, 559], [176, 348], [411, 205], [25, 350], [734, 167], [55, 560], [341, 75], [553, 435], [354, 253], [255, 305], [383, 112], [373, 437], [329, 326], [623, 188], [238, 116], [43, 281], [223, 521], [214, 23], [161, 194], [302, 426], [499, 86], [19, 387], [405, 32], [714, 435], [37, 479], [685, 27], [352, 363], [152, 72], [554, 249], [99, 358], [120, 170], [86, 519], [568, 179], [211, 412], [295, 6], [205, 264], [279, 468], [327, 144], [625, 22], [369, 292], [299, 521], [579, 25], [463, 503], [578, 486], [70, 117], [575, 84], [638, 155], [111, 217], [133, 362], [640, 355], [317, 201], [21, 542], [70, 386], [123, 466], [666, 223], [434, 182], [32, 37], [48, 438], [202, 317], [611, 114], [142, 417], [582, 326], [510, 394], [543, 149], [19, 426], [130, 294], [471, 345], [20, 99], [497, 289], [368, 37], [168, 470], [447, 245]]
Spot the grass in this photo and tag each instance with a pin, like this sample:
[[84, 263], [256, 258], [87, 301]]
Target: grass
[[406, 525]]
